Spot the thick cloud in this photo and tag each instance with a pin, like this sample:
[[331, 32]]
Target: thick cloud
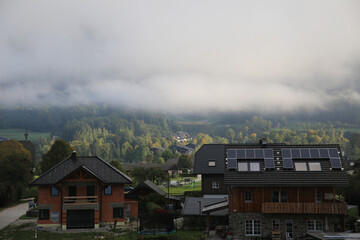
[[181, 56]]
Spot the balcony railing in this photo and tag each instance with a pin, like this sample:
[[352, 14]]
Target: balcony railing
[[304, 207], [81, 200]]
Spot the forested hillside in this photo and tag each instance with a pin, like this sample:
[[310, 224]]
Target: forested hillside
[[127, 136]]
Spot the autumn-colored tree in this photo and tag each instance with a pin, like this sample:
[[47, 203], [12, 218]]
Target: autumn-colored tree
[[58, 152], [16, 167], [117, 165]]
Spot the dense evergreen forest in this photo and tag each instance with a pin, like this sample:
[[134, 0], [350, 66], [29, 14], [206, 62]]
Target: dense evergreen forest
[[127, 136]]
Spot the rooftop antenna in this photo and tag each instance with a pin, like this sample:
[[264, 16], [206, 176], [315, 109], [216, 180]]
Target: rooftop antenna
[[26, 135]]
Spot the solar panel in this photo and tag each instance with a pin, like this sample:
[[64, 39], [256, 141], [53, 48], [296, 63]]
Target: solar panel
[[240, 153], [335, 163], [333, 153], [305, 153], [231, 153], [295, 153], [269, 163], [314, 153], [286, 153], [259, 153], [268, 153], [250, 153], [324, 152], [287, 163], [232, 162]]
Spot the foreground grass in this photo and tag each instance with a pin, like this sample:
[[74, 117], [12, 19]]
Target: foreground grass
[[23, 232]]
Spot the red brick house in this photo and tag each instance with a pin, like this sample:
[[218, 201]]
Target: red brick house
[[82, 192]]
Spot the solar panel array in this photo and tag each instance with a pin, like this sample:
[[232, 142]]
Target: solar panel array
[[288, 154], [248, 154]]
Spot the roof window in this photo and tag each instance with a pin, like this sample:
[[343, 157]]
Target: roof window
[[314, 166], [301, 166], [212, 163]]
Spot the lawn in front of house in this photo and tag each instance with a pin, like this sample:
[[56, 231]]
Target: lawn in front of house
[[27, 231], [185, 187]]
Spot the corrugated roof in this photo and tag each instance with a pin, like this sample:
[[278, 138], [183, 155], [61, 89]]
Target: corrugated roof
[[95, 165], [192, 206]]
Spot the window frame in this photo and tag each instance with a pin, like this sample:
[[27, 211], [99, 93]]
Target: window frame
[[243, 164], [248, 196], [52, 192], [215, 185], [256, 165], [41, 214], [254, 226], [275, 222], [317, 225], [212, 163], [105, 189], [117, 214]]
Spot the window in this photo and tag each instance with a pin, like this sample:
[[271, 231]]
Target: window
[[276, 225], [248, 196], [215, 185], [72, 190], [242, 166], [212, 163], [314, 166], [43, 214], [315, 225], [54, 191], [254, 166], [252, 228], [275, 196], [118, 212], [90, 190], [284, 197], [318, 197], [300, 166], [107, 190]]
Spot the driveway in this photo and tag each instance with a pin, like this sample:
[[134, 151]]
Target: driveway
[[10, 215]]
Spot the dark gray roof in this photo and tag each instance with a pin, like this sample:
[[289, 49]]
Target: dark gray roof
[[171, 164], [192, 205], [147, 184], [284, 177], [95, 165], [209, 152]]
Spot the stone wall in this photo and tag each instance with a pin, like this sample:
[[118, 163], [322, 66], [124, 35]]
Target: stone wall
[[237, 223]]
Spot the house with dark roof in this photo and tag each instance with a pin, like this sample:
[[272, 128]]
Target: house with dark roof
[[82, 192], [281, 191]]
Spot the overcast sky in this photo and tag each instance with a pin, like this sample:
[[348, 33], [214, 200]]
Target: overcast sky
[[181, 56]]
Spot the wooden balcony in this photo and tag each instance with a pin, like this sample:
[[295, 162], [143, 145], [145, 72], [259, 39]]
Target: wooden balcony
[[78, 200], [305, 207]]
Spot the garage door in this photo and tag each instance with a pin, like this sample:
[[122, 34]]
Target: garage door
[[80, 219]]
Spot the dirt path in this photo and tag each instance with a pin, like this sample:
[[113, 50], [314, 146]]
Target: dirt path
[[10, 215]]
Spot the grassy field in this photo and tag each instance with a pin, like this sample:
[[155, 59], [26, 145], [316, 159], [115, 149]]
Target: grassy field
[[27, 231], [18, 134], [183, 188]]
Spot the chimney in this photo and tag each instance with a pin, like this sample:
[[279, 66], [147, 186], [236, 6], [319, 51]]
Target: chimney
[[73, 155], [263, 142]]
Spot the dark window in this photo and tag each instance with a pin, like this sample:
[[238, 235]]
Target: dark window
[[318, 197], [107, 190], [43, 214], [90, 190], [248, 197], [118, 212], [275, 196], [72, 190], [54, 191], [284, 197]]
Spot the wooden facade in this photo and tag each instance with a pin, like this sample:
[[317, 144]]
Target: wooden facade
[[207, 184], [299, 200]]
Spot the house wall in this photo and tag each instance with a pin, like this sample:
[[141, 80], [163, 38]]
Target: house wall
[[299, 222], [116, 199], [260, 195], [53, 203], [206, 184]]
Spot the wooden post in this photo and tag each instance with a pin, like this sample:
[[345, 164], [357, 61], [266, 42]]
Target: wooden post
[[207, 224], [315, 197]]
